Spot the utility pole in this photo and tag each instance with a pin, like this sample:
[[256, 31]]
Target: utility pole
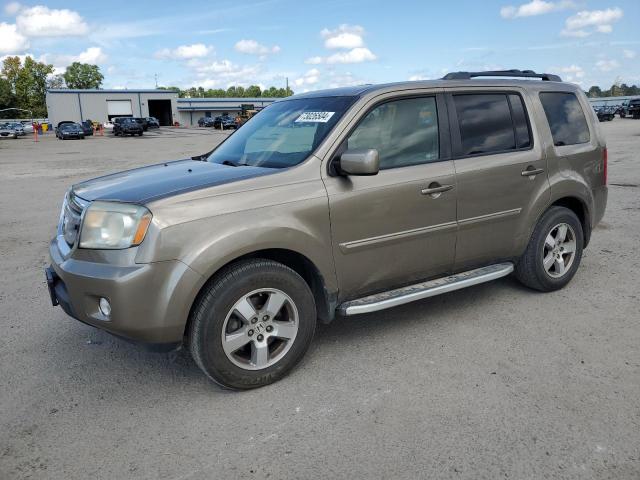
[[287, 82], [156, 77]]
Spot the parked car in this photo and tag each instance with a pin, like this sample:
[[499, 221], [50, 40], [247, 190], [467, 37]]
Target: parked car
[[68, 130], [152, 122], [605, 113], [107, 125], [64, 122], [633, 110], [205, 122], [224, 122], [127, 126], [8, 131], [18, 127], [87, 127], [27, 127], [384, 195], [143, 122]]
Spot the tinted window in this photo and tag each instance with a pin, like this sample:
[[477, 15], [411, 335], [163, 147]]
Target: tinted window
[[520, 125], [566, 118], [485, 123], [405, 132]]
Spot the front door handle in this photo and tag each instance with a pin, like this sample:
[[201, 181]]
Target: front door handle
[[532, 172], [435, 189]]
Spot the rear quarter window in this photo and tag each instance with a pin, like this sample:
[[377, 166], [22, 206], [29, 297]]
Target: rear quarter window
[[566, 118]]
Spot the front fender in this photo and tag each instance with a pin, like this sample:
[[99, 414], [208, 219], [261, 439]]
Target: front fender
[[207, 244]]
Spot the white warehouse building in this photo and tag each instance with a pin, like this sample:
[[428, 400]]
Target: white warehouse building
[[102, 105]]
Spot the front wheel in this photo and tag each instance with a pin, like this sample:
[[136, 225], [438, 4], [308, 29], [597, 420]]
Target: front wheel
[[252, 324], [554, 251]]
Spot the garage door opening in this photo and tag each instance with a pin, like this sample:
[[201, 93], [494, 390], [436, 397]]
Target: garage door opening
[[161, 109], [119, 108]]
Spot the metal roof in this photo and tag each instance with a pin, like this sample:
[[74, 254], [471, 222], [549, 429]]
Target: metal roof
[[98, 90], [228, 99]]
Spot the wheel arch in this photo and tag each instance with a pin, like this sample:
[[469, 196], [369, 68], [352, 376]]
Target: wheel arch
[[580, 208], [325, 299]]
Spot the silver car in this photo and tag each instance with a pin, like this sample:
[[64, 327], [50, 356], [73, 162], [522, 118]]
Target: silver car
[[6, 130]]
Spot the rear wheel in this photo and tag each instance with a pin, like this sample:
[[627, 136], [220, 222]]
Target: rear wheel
[[554, 251], [252, 324]]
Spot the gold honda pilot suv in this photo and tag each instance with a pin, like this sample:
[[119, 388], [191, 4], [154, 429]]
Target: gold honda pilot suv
[[343, 201]]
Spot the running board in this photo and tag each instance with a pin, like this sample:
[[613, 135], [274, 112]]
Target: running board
[[400, 296]]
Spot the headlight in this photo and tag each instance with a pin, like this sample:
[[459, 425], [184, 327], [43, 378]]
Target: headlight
[[110, 225]]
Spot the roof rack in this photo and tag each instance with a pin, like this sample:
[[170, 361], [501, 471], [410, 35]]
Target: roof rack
[[549, 77]]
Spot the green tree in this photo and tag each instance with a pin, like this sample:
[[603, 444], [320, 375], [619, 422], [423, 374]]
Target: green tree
[[253, 91], [55, 81], [594, 91], [7, 98], [28, 83], [83, 75]]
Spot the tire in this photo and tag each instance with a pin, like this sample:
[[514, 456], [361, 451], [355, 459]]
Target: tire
[[215, 312], [562, 264], [140, 134]]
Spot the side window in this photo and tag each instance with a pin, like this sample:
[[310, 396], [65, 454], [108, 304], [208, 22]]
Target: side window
[[485, 123], [566, 118], [405, 132]]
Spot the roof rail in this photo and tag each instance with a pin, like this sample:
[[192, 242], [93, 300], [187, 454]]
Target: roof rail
[[549, 77]]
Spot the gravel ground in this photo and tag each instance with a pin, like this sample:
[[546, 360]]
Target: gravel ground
[[494, 381]]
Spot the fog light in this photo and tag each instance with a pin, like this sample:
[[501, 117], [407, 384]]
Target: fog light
[[105, 307]]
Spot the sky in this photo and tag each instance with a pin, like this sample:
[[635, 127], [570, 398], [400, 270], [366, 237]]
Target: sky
[[325, 44]]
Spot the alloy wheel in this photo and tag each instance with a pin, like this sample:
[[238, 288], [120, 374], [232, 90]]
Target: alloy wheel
[[559, 250], [260, 329]]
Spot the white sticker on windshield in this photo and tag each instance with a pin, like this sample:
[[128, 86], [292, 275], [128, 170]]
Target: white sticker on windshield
[[315, 117]]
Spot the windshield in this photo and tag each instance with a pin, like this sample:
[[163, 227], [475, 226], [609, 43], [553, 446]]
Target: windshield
[[283, 134]]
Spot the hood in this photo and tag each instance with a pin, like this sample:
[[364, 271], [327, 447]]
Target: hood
[[163, 180]]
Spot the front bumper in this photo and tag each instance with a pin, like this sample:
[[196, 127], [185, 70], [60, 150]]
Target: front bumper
[[150, 302]]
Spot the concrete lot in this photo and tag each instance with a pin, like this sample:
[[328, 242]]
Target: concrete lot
[[495, 381]]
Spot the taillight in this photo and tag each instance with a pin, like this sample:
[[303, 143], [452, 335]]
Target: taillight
[[605, 156]]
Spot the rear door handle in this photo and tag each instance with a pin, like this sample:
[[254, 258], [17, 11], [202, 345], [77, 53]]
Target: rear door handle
[[532, 172], [435, 189]]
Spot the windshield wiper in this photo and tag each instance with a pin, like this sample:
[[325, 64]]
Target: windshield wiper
[[234, 164]]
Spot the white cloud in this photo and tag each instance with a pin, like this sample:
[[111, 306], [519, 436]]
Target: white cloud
[[92, 55], [185, 52], [210, 74], [629, 53], [586, 22], [356, 55], [607, 65], [41, 21], [345, 36], [572, 73], [347, 79], [251, 47], [417, 77], [309, 78], [12, 8], [12, 40], [348, 38], [535, 7]]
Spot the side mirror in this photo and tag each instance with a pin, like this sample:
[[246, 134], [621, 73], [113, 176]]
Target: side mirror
[[360, 162]]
